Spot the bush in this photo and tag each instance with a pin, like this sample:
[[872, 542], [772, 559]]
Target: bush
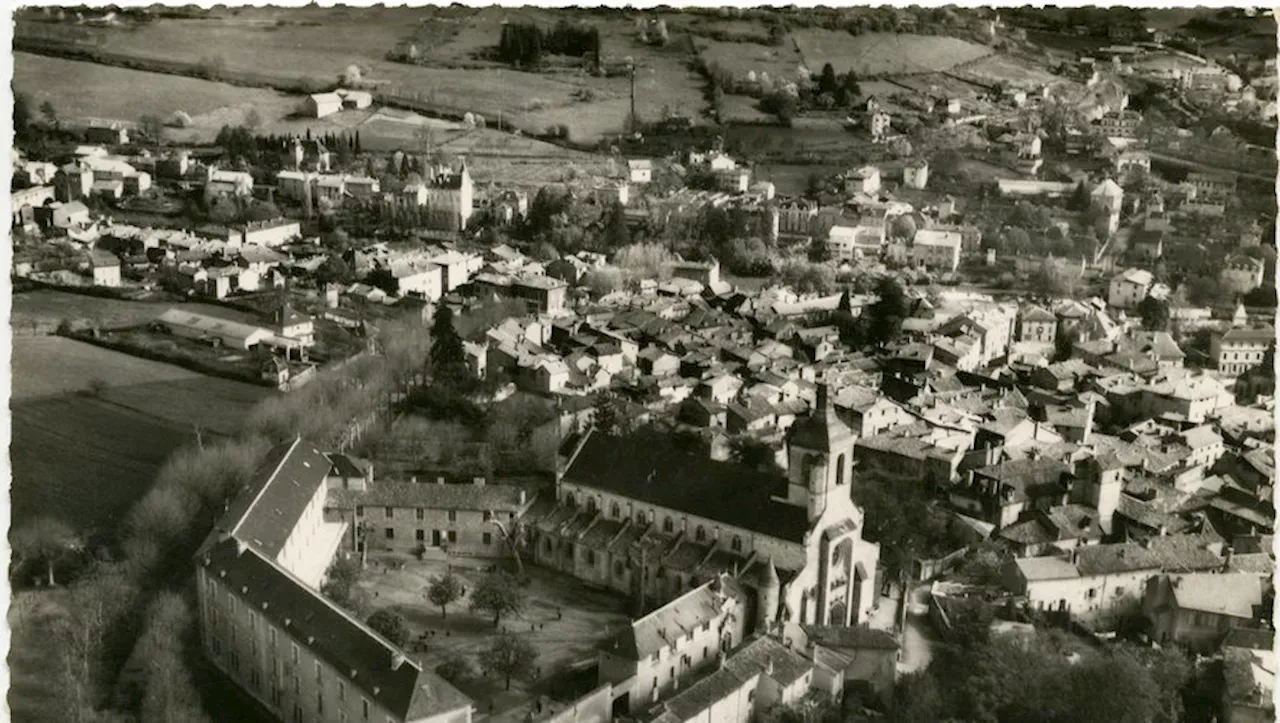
[[180, 119], [390, 625], [456, 669]]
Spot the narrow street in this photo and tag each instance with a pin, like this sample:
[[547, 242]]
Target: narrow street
[[916, 636]]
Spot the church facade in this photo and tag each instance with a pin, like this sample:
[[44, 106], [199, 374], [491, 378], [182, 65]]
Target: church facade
[[640, 515]]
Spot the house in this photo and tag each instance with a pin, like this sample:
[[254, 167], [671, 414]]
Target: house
[[354, 99], [863, 180], [68, 215], [1000, 493], [915, 174], [106, 268], [1242, 274], [640, 170], [1211, 184], [936, 249], [866, 658], [221, 332], [114, 134], [1129, 288], [1119, 124], [1102, 583], [24, 202], [1108, 197], [1037, 325], [308, 154], [849, 243], [319, 105], [227, 183], [760, 675], [674, 643], [1197, 610], [877, 123], [1054, 530], [1236, 351], [270, 233], [423, 279], [1126, 161]]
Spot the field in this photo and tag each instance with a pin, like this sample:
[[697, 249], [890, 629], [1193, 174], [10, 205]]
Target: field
[[87, 458], [1005, 69], [81, 91], [46, 308], [299, 44], [884, 53], [742, 58]]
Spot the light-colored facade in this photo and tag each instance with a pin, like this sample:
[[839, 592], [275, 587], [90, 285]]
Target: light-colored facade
[[1128, 289], [1239, 350]]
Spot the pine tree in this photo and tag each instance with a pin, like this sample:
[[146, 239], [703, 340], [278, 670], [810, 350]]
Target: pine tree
[[448, 358], [357, 143]]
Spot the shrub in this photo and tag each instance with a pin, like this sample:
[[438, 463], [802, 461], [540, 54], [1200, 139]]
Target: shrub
[[390, 625], [180, 119], [456, 669]]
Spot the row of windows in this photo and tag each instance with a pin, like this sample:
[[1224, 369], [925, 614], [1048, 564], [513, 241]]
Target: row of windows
[[668, 522], [389, 513], [436, 536]]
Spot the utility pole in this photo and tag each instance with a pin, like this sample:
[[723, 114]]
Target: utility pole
[[631, 66]]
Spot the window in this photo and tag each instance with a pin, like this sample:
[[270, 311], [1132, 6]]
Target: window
[[840, 470], [217, 646], [488, 538], [668, 525], [271, 638], [617, 569], [751, 695], [293, 653], [453, 515], [736, 544], [700, 534], [453, 535], [571, 500], [318, 671], [1119, 590], [320, 702], [615, 510], [359, 510], [253, 621], [391, 533], [591, 557], [342, 690], [640, 518], [389, 512], [235, 661], [1092, 593], [365, 707], [488, 516], [420, 535], [420, 514], [546, 545]]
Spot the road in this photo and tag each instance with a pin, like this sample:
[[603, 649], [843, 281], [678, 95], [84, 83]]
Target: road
[[916, 637]]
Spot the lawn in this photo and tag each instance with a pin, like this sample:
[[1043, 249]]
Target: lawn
[[586, 617], [742, 58], [884, 53]]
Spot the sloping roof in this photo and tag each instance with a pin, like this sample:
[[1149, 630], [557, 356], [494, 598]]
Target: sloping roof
[[861, 637], [648, 467], [372, 664], [1172, 553], [265, 511], [502, 498], [1234, 594], [1048, 567], [768, 656], [821, 430], [661, 628]]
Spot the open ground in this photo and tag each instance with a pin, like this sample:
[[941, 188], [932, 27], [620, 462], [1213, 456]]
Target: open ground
[[884, 53], [568, 619]]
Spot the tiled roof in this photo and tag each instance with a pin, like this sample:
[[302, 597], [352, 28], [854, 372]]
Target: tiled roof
[[1171, 553], [859, 637], [504, 498], [379, 669], [648, 467], [1233, 594], [663, 627], [264, 513]]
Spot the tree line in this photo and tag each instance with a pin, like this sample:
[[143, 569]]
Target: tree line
[[525, 45]]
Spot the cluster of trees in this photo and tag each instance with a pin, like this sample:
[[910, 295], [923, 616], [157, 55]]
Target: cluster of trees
[[881, 322], [782, 96], [986, 679], [526, 44]]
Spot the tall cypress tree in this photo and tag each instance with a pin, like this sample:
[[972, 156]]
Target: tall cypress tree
[[448, 359]]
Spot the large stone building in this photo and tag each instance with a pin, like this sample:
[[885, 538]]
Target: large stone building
[[265, 625], [641, 515]]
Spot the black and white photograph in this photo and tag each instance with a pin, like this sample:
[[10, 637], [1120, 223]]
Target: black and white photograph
[[641, 364]]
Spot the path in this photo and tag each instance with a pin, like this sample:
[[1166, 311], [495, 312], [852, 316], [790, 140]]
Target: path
[[916, 637]]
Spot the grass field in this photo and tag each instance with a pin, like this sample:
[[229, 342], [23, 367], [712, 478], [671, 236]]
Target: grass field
[[86, 458], [300, 44], [741, 58], [1005, 69], [33, 695], [45, 307], [884, 53]]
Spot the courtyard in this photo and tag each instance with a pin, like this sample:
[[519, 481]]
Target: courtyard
[[562, 618]]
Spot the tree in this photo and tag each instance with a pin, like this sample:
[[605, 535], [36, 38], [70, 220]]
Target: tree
[[456, 669], [47, 541], [903, 227], [21, 115], [616, 232], [1064, 344], [49, 113], [390, 625], [498, 594], [752, 452], [827, 82], [886, 313], [448, 358], [152, 127], [253, 119], [917, 699], [508, 656], [1154, 313], [819, 252], [443, 590]]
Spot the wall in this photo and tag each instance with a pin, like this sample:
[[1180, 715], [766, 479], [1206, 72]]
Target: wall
[[473, 534], [1113, 595], [312, 542]]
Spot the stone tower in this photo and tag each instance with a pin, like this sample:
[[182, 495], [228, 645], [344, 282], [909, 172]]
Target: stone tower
[[819, 457]]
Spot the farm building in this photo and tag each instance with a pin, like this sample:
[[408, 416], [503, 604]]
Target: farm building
[[319, 105], [222, 332], [111, 133], [640, 170], [106, 268]]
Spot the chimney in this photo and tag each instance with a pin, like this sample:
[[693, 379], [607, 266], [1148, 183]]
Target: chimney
[[478, 481], [1228, 556], [413, 479], [397, 660], [439, 480]]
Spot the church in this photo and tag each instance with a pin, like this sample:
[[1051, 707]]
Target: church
[[641, 515]]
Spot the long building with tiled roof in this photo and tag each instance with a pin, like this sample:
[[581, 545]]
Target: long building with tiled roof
[[265, 625]]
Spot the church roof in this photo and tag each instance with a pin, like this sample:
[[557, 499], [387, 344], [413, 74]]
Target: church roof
[[649, 467]]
